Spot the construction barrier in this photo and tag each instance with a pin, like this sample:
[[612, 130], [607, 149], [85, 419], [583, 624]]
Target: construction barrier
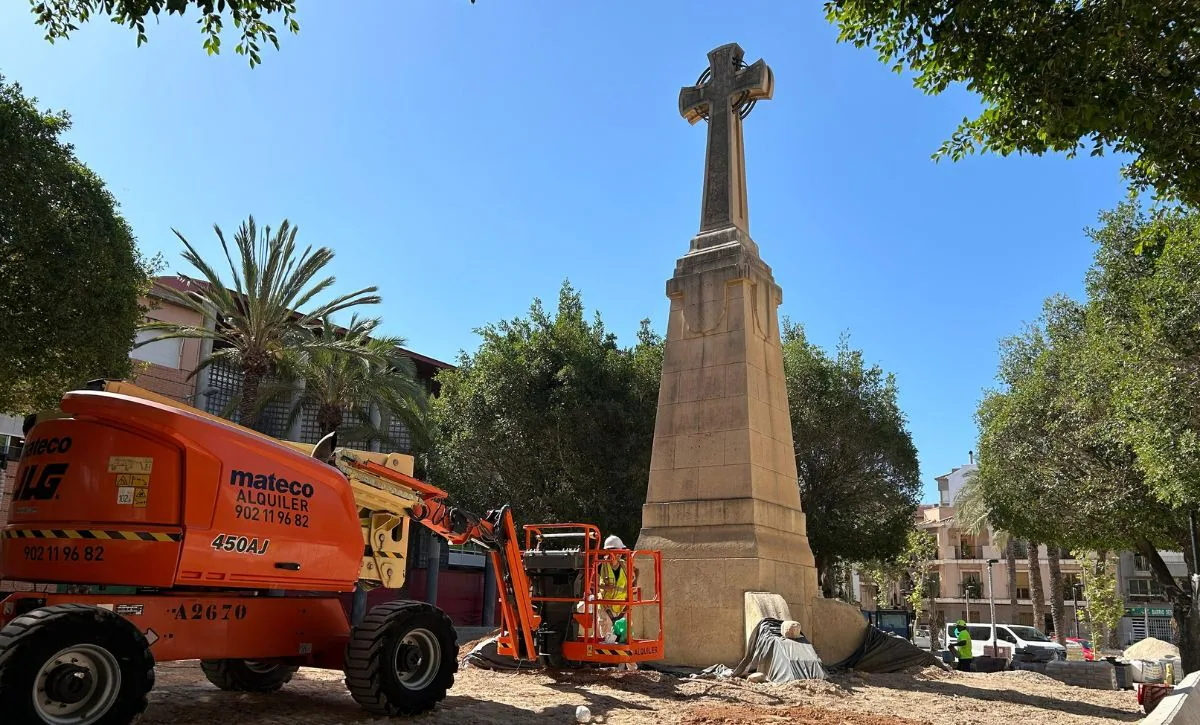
[[1181, 707]]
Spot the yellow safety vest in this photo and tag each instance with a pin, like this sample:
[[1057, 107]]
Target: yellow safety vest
[[612, 586], [964, 650]]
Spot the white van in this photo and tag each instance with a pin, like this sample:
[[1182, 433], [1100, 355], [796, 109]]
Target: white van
[[1027, 643]]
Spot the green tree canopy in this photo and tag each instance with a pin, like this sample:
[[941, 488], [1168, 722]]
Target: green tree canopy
[[1144, 319], [70, 271], [345, 387], [552, 416], [1053, 75], [1089, 444], [857, 465]]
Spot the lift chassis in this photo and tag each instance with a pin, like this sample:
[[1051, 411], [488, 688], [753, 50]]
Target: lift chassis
[[171, 534]]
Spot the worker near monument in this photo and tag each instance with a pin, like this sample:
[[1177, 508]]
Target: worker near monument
[[614, 584], [961, 646]]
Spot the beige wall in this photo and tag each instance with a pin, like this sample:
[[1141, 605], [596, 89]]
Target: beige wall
[[166, 380]]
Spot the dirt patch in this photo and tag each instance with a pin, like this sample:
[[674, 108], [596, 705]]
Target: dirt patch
[[740, 714], [183, 696]]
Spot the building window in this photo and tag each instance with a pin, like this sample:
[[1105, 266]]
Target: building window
[[970, 549], [1020, 549], [971, 586], [1144, 587], [933, 585], [399, 437], [1069, 583], [1141, 563], [167, 353], [225, 383], [1023, 587]]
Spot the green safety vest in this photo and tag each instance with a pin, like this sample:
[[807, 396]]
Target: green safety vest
[[964, 649]]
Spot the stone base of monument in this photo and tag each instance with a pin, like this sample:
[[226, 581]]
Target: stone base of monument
[[704, 614], [838, 629], [763, 605]]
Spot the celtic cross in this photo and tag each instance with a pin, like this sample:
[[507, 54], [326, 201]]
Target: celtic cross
[[723, 96]]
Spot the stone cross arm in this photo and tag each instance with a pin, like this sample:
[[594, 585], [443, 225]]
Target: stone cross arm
[[752, 83]]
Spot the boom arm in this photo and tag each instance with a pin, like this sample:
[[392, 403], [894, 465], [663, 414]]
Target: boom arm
[[496, 532]]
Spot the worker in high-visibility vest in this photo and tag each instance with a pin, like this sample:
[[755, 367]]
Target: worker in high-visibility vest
[[614, 583], [961, 646]]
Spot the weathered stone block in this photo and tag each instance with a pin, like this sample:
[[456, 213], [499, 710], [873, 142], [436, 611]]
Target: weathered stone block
[[675, 484]]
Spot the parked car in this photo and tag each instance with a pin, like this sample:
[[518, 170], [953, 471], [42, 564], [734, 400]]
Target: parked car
[[1028, 644], [1089, 652], [921, 637]]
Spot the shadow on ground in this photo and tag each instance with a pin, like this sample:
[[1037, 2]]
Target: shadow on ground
[[660, 686], [959, 689]]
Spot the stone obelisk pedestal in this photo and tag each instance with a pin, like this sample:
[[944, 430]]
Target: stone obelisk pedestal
[[723, 503]]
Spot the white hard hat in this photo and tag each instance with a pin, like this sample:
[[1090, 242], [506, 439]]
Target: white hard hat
[[614, 542]]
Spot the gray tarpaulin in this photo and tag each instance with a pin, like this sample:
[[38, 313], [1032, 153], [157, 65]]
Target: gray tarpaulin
[[883, 652], [779, 658], [485, 657]]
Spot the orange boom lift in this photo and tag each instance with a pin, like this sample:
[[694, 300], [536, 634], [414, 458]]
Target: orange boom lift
[[232, 548]]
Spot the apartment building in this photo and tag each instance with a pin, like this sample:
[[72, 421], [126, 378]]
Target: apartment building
[[960, 586], [1147, 610]]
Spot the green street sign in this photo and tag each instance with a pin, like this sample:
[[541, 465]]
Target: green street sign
[[1153, 612]]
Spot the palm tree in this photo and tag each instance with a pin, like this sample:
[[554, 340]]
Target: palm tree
[[1010, 561], [974, 516], [1053, 554], [350, 378], [1036, 592], [260, 319]]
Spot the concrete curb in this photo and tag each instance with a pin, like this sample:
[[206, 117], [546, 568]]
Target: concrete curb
[[1178, 708]]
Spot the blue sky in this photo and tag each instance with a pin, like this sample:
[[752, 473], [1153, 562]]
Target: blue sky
[[467, 158]]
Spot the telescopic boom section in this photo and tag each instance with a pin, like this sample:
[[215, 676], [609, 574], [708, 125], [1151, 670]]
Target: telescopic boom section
[[495, 532]]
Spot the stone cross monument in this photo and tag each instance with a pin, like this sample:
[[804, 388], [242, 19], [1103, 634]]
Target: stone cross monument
[[723, 503]]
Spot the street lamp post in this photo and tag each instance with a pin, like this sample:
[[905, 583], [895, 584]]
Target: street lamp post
[[1075, 605], [992, 603]]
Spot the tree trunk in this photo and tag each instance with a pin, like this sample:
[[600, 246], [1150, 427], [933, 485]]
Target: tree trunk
[[1037, 594], [1010, 555], [329, 418], [252, 377], [1187, 621], [1056, 594]]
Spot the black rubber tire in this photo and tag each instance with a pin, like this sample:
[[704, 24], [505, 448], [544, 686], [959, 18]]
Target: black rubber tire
[[239, 676], [371, 676], [33, 638]]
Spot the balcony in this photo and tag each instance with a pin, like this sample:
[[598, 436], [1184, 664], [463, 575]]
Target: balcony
[[970, 551]]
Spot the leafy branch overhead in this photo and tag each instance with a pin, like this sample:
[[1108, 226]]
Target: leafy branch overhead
[[60, 18], [1053, 76]]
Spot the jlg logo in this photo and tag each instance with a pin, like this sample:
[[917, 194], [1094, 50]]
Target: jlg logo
[[46, 483]]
